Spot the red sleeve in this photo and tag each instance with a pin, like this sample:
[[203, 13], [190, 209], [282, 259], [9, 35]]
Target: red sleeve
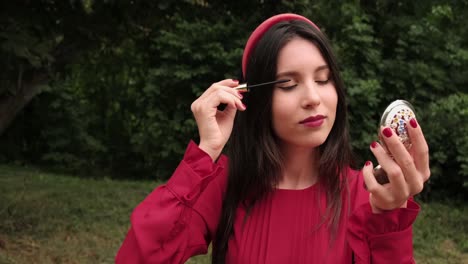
[[178, 220], [379, 238]]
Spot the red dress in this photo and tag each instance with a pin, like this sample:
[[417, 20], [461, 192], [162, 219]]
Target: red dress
[[178, 220]]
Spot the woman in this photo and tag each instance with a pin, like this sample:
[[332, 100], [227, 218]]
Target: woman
[[288, 194]]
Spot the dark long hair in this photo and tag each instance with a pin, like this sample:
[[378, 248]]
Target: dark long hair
[[255, 159]]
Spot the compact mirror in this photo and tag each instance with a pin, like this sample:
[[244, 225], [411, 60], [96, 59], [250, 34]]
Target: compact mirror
[[396, 116]]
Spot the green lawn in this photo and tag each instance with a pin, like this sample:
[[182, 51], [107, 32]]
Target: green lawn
[[51, 218]]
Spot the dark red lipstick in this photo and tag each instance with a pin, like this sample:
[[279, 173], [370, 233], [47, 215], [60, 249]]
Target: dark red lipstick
[[313, 121]]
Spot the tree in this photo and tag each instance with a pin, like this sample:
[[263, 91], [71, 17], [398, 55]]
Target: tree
[[40, 39], [122, 75]]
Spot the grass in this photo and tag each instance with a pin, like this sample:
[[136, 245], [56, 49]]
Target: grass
[[52, 218]]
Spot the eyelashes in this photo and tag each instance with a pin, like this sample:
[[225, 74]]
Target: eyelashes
[[290, 87], [323, 82], [287, 88]]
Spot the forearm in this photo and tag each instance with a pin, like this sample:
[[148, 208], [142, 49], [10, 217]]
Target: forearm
[[167, 227]]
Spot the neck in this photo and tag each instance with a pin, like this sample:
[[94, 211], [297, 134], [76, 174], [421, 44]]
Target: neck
[[300, 168]]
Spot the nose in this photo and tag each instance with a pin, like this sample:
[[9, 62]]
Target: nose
[[310, 95]]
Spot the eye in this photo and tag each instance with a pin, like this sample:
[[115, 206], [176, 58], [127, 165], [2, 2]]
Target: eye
[[287, 88], [323, 82], [323, 79]]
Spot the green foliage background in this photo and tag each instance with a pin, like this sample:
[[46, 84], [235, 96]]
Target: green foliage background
[[121, 102]]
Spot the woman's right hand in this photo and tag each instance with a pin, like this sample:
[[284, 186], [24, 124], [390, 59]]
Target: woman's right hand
[[214, 126]]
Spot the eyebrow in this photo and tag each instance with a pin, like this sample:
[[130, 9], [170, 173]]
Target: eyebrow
[[295, 73]]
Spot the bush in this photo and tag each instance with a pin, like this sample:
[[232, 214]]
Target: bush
[[445, 123]]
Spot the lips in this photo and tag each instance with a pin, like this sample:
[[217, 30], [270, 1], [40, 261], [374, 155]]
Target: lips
[[312, 119]]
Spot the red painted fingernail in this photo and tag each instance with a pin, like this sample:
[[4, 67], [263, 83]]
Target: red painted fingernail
[[234, 80], [368, 163], [387, 132], [413, 123], [245, 107], [373, 144]]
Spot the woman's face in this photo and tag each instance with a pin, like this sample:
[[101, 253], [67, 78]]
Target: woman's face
[[303, 109]]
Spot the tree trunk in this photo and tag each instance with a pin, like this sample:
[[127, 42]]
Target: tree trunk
[[12, 104]]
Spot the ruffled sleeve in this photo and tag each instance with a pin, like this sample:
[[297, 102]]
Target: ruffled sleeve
[[170, 226], [380, 238]]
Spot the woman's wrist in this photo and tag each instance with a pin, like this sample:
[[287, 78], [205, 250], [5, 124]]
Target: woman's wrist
[[212, 152], [377, 210]]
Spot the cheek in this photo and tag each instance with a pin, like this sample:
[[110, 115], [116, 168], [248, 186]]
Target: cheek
[[333, 108], [335, 104], [275, 115], [330, 97], [279, 112]]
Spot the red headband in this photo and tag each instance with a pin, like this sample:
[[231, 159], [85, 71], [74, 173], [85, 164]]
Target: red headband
[[264, 27]]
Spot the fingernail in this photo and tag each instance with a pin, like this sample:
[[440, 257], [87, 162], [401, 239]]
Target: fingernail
[[245, 107], [240, 95], [413, 123], [387, 132], [235, 80], [368, 163], [373, 144]]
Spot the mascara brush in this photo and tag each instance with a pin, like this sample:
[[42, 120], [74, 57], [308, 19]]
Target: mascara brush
[[246, 87]]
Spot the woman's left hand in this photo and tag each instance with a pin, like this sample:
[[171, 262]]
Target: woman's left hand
[[407, 170]]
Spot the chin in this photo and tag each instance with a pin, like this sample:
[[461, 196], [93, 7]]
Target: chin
[[315, 144], [305, 141], [308, 143]]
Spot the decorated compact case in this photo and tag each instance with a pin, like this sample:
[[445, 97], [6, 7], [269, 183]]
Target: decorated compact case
[[396, 116]]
